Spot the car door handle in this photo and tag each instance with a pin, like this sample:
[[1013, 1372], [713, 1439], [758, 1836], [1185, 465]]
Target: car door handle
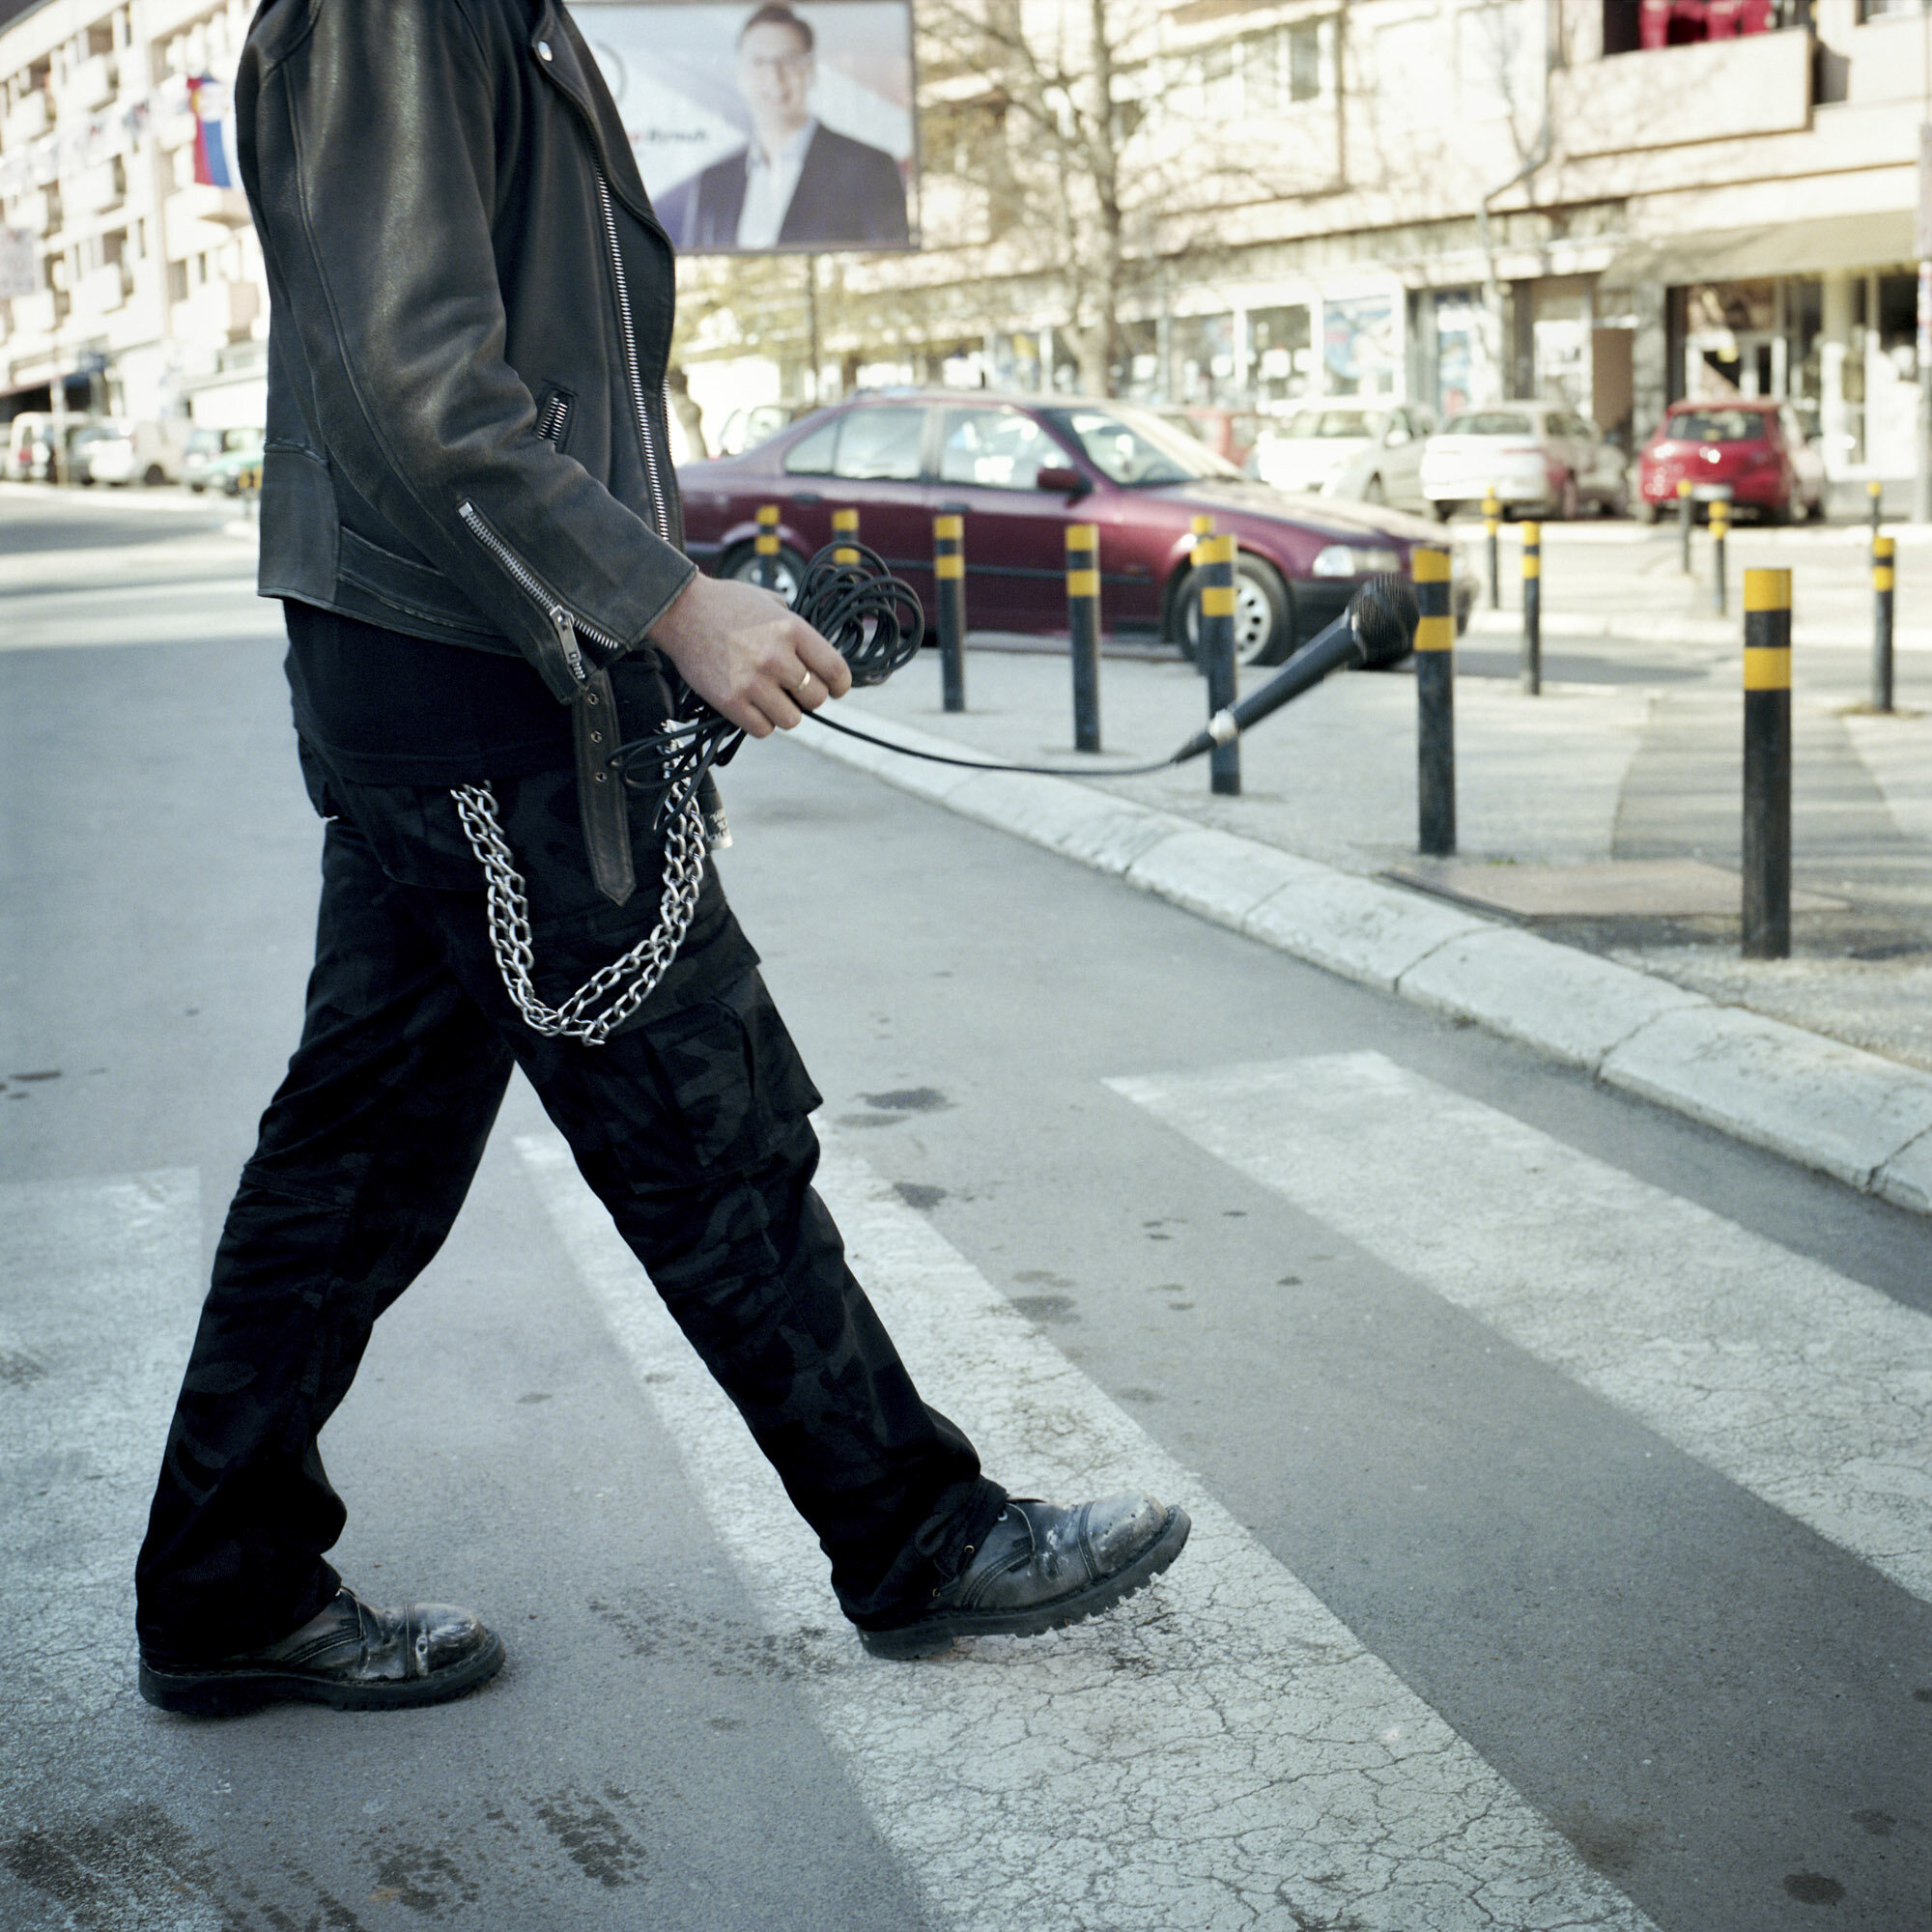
[[807, 496]]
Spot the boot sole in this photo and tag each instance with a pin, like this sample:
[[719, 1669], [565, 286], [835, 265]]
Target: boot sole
[[228, 1694], [931, 1635]]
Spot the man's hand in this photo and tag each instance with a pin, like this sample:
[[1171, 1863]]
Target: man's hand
[[746, 656]]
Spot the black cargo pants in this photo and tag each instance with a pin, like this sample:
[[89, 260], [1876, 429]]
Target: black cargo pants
[[691, 1124]]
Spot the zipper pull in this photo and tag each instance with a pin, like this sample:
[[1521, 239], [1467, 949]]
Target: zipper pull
[[567, 636]]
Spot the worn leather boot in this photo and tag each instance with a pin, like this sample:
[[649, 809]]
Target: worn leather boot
[[350, 1656], [1042, 1568]]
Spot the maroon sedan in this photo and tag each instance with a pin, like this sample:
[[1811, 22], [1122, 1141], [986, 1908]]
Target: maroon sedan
[[1752, 452], [1023, 469]]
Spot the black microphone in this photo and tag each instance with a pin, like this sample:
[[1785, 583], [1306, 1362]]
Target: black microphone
[[1377, 629]]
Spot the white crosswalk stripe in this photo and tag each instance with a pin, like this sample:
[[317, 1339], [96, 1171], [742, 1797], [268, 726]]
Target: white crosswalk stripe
[[1811, 1391], [1221, 1752], [99, 1283]]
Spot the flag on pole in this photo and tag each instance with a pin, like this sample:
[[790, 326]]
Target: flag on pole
[[214, 105]]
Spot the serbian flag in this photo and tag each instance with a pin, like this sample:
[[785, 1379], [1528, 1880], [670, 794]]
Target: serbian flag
[[214, 108]]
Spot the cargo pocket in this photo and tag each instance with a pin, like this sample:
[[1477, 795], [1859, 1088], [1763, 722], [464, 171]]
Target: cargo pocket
[[734, 1079]]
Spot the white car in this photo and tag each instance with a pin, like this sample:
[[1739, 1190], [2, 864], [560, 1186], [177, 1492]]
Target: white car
[[1540, 458], [1368, 455], [138, 452]]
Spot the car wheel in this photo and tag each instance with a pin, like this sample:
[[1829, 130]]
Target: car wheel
[[1374, 492], [1444, 509], [154, 477], [1263, 614], [745, 564], [1779, 512]]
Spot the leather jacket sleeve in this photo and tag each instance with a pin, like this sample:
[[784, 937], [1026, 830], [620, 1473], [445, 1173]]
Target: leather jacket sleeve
[[370, 151]]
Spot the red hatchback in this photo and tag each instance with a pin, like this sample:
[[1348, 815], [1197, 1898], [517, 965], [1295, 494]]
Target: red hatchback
[[1023, 469], [1754, 453]]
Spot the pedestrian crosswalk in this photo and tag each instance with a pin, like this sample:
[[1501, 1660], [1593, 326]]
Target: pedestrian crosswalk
[[1808, 1390], [1221, 1751], [99, 1284]]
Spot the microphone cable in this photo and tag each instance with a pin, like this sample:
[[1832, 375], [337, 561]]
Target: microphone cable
[[876, 623]]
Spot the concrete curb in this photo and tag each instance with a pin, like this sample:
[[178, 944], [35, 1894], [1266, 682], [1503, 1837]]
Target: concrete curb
[[1863, 1120]]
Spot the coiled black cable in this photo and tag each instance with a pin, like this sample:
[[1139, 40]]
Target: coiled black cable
[[852, 600]]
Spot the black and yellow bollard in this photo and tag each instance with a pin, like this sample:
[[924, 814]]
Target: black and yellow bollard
[[1685, 518], [1766, 826], [1885, 572], [1492, 525], [1875, 496], [1215, 562], [1083, 623], [845, 534], [949, 570], [1434, 704], [1200, 527], [1532, 610], [1721, 577], [766, 545]]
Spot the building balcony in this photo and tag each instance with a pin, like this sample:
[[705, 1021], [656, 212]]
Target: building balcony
[[218, 314], [94, 190], [38, 211], [226, 206], [1670, 97], [92, 85], [34, 314], [100, 292], [28, 122]]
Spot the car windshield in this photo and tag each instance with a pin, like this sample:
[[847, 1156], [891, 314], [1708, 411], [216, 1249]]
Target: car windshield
[[1134, 447], [1715, 426], [203, 443], [1490, 422], [1329, 423]]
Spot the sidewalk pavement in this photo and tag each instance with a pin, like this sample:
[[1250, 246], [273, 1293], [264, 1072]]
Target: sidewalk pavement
[[1547, 930]]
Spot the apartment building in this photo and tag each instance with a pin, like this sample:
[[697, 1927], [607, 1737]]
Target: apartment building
[[1615, 203], [117, 183]]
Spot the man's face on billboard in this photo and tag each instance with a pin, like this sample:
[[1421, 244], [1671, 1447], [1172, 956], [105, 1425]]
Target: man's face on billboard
[[775, 75]]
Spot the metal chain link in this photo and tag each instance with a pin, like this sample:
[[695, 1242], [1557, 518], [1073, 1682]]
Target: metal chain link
[[510, 939]]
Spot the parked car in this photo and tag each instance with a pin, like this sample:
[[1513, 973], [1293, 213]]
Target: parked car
[[1540, 458], [1229, 433], [239, 454], [1366, 454], [746, 429], [83, 444], [1753, 451], [201, 447], [1023, 469], [146, 452], [30, 446]]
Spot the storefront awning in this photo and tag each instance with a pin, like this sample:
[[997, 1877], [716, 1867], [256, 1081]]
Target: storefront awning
[[1785, 248]]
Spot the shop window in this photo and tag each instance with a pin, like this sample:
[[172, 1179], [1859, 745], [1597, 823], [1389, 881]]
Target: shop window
[[1281, 354], [1358, 347], [1203, 346]]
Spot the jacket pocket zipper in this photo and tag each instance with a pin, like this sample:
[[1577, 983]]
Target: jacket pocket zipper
[[631, 363], [567, 627], [554, 419]]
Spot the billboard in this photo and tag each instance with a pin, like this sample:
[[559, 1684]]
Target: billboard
[[767, 129]]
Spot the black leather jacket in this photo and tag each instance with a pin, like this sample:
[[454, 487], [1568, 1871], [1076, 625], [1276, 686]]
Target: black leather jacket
[[471, 311]]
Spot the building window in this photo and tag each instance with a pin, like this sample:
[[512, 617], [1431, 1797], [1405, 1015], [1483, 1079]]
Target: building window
[[1632, 24], [1281, 354], [177, 281]]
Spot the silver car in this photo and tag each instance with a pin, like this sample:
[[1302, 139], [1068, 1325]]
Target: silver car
[[1366, 454], [1541, 459]]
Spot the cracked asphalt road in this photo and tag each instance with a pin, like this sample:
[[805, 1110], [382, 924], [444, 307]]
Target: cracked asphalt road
[[1485, 1623]]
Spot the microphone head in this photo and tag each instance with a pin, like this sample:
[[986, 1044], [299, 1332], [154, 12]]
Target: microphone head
[[1385, 616]]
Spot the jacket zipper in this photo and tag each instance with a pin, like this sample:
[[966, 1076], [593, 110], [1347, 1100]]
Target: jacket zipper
[[551, 424], [651, 476], [562, 622]]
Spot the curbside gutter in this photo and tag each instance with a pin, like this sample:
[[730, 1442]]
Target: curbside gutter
[[1864, 1120]]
